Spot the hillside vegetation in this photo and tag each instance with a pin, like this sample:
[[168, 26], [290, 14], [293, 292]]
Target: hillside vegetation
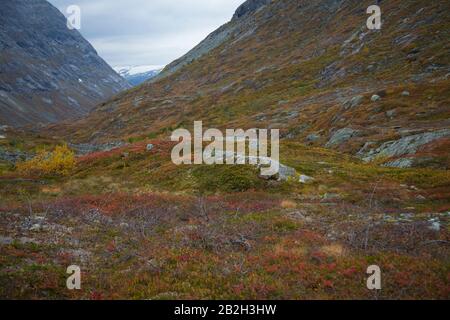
[[371, 183]]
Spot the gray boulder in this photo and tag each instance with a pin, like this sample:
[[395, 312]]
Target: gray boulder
[[305, 179], [405, 146], [286, 172], [391, 113], [313, 137], [353, 102], [375, 98], [341, 136]]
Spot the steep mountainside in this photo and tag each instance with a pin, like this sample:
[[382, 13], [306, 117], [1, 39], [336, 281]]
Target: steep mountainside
[[48, 72], [312, 69], [237, 27]]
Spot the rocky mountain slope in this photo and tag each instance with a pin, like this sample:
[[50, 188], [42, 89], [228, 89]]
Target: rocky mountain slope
[[150, 229], [48, 72], [237, 27], [312, 69]]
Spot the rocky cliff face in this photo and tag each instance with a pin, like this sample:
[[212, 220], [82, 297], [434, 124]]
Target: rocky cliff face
[[250, 6], [47, 72]]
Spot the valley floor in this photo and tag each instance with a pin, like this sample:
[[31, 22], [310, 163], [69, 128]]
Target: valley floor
[[142, 228]]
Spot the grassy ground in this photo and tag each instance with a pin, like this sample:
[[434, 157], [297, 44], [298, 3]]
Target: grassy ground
[[141, 227]]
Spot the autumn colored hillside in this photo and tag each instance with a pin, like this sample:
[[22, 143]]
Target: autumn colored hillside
[[364, 118], [314, 70]]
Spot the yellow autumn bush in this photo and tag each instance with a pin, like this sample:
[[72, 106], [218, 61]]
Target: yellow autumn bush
[[59, 162]]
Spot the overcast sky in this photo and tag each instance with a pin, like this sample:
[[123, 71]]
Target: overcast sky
[[148, 32]]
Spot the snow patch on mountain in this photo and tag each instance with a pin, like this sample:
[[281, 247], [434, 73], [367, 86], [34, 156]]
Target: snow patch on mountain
[[136, 75], [134, 70]]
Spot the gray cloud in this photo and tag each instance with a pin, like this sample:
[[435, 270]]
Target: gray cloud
[[148, 32]]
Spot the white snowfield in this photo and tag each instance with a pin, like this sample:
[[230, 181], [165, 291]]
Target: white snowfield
[[133, 70]]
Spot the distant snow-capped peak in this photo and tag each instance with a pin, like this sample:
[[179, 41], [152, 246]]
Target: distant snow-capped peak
[[127, 71], [135, 75]]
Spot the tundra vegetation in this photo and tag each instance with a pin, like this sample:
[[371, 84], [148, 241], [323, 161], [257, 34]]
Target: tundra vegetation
[[141, 227], [363, 118]]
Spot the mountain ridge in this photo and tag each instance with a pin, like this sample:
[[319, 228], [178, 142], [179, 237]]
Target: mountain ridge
[[336, 81], [216, 38], [48, 72]]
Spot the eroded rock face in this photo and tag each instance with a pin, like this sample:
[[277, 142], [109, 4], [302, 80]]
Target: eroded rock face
[[48, 72], [405, 146], [250, 6], [353, 102], [341, 136]]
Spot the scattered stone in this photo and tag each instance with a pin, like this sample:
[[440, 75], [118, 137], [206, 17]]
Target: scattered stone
[[405, 94], [2, 137], [406, 217], [353, 102], [341, 136], [391, 113], [124, 225], [312, 137], [286, 172], [375, 98], [421, 198], [435, 224], [150, 147], [36, 227], [305, 179]]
